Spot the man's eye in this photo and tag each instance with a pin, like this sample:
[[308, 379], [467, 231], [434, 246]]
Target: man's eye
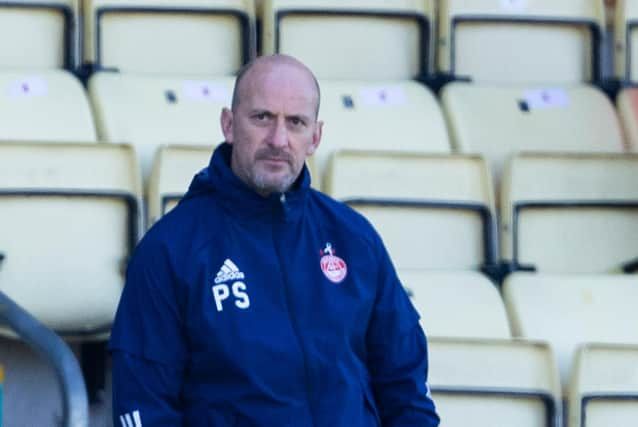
[[296, 121], [261, 116]]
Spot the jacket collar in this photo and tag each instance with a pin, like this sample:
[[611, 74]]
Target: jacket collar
[[238, 198]]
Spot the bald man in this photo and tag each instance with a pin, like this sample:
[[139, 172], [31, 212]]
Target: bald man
[[259, 301]]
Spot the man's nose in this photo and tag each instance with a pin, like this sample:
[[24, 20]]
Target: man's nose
[[279, 134]]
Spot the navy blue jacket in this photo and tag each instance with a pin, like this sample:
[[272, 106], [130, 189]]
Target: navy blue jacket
[[242, 310]]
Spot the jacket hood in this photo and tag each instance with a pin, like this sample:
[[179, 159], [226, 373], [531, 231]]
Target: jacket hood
[[219, 179]]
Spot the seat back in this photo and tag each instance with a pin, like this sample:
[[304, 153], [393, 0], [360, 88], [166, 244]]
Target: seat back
[[626, 40], [173, 169], [148, 111], [69, 219], [497, 121], [44, 105], [462, 304], [213, 37], [365, 115], [603, 391], [494, 383], [38, 34], [570, 310], [352, 39], [434, 212], [570, 213], [521, 41]]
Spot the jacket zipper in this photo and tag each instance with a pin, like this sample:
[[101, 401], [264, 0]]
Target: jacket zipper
[[293, 321]]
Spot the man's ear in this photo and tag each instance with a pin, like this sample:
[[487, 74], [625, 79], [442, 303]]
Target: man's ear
[[316, 138], [226, 121]]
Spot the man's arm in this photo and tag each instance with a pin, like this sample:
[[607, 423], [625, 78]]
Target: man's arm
[[147, 343], [397, 355], [145, 393]]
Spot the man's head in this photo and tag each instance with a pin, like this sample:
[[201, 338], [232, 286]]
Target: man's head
[[273, 123]]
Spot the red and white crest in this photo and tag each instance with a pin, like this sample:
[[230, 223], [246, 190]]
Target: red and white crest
[[333, 267]]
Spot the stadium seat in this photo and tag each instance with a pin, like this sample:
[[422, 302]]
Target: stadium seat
[[462, 304], [627, 103], [434, 212], [400, 116], [185, 37], [352, 39], [173, 169], [570, 213], [570, 310], [148, 111], [44, 105], [494, 383], [604, 387], [542, 41], [626, 41], [69, 219], [38, 34], [497, 121]]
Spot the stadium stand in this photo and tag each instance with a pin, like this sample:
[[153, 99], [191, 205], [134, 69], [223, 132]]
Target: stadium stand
[[604, 387], [148, 111], [544, 41], [39, 34], [44, 105], [494, 383], [460, 304], [184, 37], [499, 120], [352, 39], [570, 213], [570, 310], [379, 115], [434, 212], [626, 41], [69, 218]]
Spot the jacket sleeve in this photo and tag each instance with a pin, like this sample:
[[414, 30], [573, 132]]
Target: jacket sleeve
[[145, 392], [148, 342], [397, 354]]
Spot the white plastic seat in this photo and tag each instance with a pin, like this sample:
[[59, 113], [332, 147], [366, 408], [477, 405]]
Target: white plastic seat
[[434, 212], [149, 111], [604, 386], [213, 37], [173, 169], [570, 213], [494, 383], [497, 121], [626, 41], [44, 105], [462, 304], [352, 39], [570, 310], [38, 34], [69, 219], [541, 41], [391, 115]]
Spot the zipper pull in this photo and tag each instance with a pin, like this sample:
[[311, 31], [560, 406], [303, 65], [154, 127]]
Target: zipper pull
[[284, 205]]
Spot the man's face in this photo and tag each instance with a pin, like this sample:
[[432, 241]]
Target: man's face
[[273, 128]]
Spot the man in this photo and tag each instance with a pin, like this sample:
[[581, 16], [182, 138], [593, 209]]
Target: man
[[258, 301]]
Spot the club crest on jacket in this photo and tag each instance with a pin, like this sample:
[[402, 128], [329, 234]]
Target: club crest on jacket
[[333, 267]]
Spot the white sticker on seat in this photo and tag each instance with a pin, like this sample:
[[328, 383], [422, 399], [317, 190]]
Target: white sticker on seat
[[513, 5], [205, 91], [546, 98], [27, 87], [383, 96]]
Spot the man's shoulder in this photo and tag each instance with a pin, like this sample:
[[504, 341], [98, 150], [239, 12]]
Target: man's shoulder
[[339, 215]]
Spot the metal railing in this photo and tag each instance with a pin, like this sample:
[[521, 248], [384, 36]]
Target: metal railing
[[50, 346]]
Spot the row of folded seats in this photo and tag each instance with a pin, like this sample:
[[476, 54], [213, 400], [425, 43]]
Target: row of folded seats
[[508, 209]]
